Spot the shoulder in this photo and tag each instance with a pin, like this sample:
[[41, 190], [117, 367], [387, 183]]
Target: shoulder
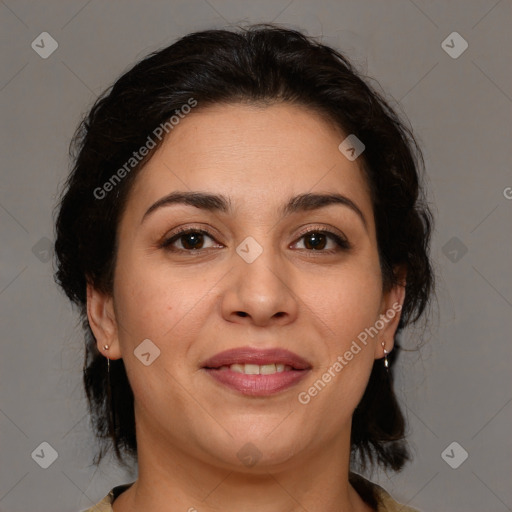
[[105, 505], [376, 496]]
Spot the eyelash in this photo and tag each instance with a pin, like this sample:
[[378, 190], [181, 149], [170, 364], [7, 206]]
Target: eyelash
[[342, 243]]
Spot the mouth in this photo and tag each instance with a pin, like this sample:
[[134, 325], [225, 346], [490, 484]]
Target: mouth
[[257, 372]]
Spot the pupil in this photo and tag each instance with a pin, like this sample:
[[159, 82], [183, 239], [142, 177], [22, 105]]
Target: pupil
[[317, 238], [195, 237]]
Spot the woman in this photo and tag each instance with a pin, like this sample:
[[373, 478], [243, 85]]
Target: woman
[[244, 235]]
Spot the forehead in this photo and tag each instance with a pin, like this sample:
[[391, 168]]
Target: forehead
[[258, 156]]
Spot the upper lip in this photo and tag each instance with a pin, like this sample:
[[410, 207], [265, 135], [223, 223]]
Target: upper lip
[[250, 355]]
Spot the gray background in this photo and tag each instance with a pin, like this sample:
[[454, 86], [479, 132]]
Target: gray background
[[457, 387]]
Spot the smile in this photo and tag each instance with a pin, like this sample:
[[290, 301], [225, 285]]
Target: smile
[[256, 372]]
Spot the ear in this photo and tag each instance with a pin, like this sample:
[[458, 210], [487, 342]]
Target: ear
[[390, 312], [102, 319]]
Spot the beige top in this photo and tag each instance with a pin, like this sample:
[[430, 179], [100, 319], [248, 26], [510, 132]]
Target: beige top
[[372, 493]]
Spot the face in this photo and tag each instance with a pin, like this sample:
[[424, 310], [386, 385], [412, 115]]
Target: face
[[298, 290]]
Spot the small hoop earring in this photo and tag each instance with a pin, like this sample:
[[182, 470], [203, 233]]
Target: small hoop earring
[[386, 362], [110, 399], [106, 347]]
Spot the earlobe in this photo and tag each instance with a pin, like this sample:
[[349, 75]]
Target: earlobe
[[101, 316], [391, 309]]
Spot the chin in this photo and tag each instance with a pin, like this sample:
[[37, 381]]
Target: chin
[[255, 450]]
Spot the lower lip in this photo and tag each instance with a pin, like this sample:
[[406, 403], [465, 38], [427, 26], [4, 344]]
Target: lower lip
[[257, 385]]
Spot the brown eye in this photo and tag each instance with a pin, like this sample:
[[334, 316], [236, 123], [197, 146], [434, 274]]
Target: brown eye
[[192, 240], [317, 240], [189, 239]]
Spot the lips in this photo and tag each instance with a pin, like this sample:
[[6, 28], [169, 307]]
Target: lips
[[247, 355], [257, 373]]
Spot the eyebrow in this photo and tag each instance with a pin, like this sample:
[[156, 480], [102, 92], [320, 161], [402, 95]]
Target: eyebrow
[[220, 203]]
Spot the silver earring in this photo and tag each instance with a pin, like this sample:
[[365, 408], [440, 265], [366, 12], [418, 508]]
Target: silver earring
[[106, 347], [110, 400], [386, 362]]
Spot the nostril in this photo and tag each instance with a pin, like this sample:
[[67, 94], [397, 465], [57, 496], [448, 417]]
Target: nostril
[[241, 313]]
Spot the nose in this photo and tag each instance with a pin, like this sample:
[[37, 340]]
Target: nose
[[260, 293]]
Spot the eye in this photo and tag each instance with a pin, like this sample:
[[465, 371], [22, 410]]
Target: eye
[[317, 239], [190, 239], [193, 240]]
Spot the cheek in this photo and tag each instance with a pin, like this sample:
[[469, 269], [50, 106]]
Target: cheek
[[153, 301], [347, 301], [348, 304]]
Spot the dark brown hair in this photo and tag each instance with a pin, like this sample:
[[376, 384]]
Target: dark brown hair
[[261, 64]]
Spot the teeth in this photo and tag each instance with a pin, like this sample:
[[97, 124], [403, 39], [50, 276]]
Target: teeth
[[267, 369], [255, 369], [251, 369]]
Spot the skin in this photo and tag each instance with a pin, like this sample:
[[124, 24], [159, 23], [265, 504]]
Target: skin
[[314, 303]]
